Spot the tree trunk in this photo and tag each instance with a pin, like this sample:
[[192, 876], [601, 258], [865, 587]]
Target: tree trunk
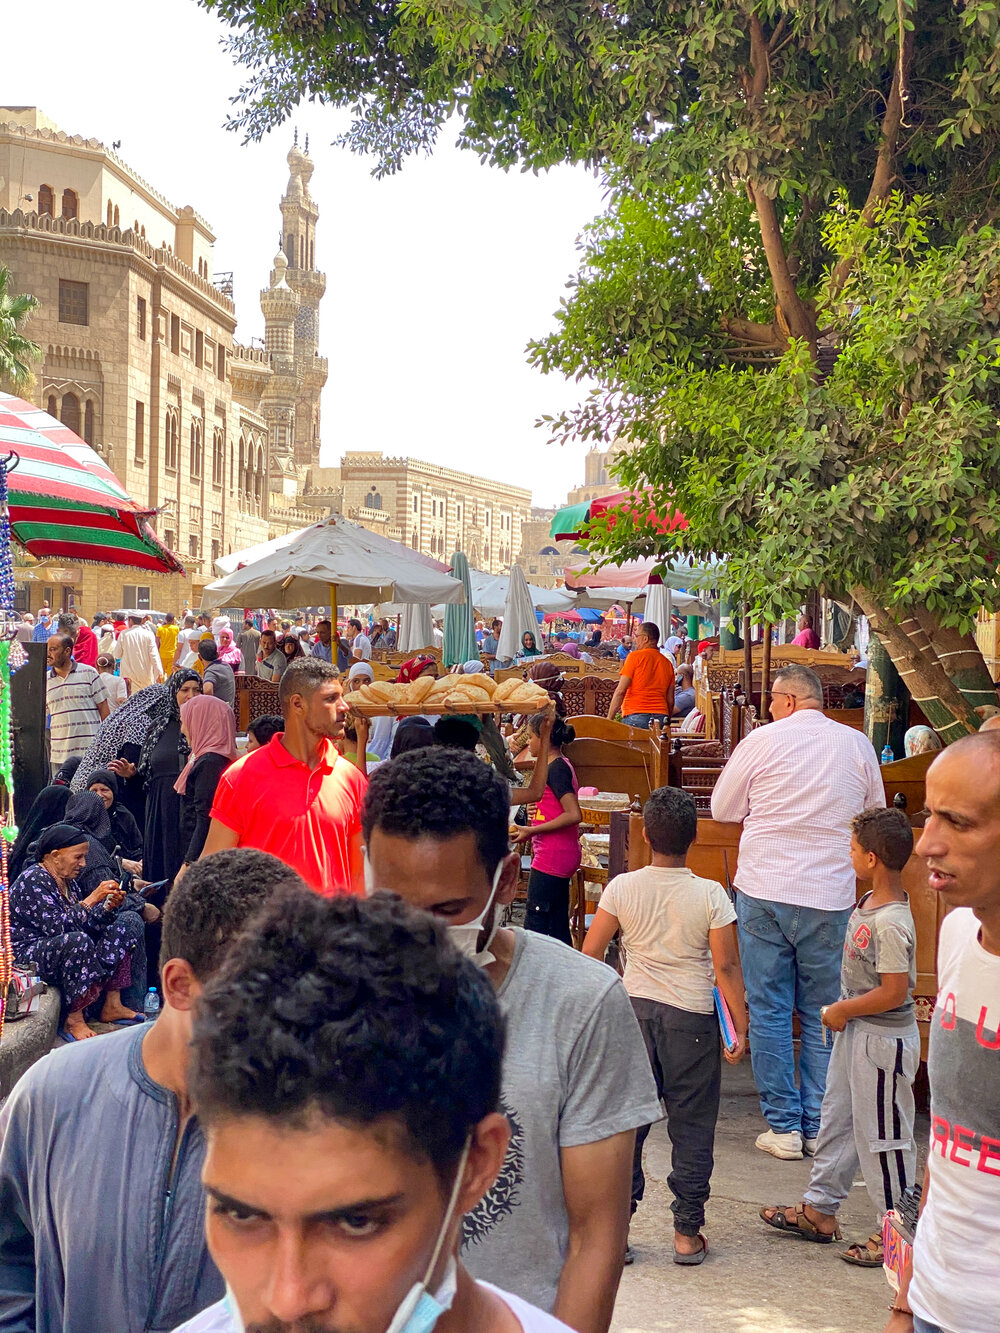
[[961, 660], [944, 706]]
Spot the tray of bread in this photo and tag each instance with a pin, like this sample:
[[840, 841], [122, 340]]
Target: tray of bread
[[476, 693]]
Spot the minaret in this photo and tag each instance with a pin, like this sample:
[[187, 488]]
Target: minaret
[[299, 216], [280, 306]]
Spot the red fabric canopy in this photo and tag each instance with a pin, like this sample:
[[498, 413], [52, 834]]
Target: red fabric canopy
[[634, 505]]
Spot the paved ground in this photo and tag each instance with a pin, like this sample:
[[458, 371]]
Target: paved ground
[[754, 1279]]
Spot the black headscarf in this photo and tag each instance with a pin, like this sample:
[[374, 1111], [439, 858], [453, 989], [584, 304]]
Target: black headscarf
[[167, 712], [56, 837], [107, 779], [48, 808], [86, 809], [412, 733]]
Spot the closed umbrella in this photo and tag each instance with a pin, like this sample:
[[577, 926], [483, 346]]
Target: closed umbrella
[[416, 629], [518, 616], [658, 609], [459, 620]]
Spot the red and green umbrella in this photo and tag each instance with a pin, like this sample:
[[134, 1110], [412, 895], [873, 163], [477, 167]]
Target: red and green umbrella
[[65, 502], [572, 523]]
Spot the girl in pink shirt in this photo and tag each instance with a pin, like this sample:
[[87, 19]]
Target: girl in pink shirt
[[554, 831]]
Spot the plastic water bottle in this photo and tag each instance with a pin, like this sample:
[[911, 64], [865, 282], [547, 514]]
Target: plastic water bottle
[[151, 1005], [887, 755]]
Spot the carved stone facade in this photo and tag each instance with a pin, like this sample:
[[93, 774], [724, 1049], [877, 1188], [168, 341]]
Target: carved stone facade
[[139, 358], [434, 509]]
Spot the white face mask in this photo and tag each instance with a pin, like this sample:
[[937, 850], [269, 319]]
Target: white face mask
[[418, 1311], [465, 936]]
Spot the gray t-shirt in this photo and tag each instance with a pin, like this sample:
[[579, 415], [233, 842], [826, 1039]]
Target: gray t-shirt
[[220, 676], [575, 1072], [879, 941]]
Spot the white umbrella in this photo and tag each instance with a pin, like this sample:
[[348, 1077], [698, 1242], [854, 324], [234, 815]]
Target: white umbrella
[[603, 599], [489, 594], [518, 616], [416, 629], [330, 561], [658, 609]]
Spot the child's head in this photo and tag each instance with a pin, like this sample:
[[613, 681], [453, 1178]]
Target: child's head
[[881, 833], [562, 734], [670, 818]]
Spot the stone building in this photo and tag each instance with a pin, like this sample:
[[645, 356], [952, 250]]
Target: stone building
[[139, 356], [597, 478], [435, 510]]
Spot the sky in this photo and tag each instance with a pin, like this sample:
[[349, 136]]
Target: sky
[[436, 277]]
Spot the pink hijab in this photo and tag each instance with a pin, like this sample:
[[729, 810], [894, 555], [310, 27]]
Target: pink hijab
[[571, 649], [228, 651], [211, 729]]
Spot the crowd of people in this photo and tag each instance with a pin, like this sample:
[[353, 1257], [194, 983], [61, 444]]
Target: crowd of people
[[407, 1112]]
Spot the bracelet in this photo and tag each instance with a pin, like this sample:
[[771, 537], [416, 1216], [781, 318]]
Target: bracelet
[[898, 1309]]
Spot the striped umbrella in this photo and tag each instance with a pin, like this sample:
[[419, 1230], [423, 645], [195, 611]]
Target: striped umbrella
[[635, 507], [65, 502]]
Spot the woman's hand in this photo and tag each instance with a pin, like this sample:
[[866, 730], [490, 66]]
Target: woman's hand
[[133, 867], [151, 913], [122, 768], [103, 890]]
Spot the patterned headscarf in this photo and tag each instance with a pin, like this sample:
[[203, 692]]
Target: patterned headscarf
[[410, 670], [141, 720], [86, 810], [548, 675]]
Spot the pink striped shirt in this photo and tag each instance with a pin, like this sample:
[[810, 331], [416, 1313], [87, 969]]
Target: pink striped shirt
[[796, 785]]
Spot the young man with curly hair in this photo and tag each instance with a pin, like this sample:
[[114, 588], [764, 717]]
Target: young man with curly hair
[[101, 1212], [576, 1081], [346, 1066]]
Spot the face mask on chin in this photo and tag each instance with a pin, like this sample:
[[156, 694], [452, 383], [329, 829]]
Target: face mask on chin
[[419, 1310], [466, 936]]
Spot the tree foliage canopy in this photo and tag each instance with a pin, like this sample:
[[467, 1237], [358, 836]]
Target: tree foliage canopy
[[17, 352]]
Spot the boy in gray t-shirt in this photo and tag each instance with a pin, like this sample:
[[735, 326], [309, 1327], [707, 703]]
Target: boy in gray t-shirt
[[867, 1115]]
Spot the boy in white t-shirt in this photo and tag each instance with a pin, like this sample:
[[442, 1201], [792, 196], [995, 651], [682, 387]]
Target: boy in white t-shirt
[[680, 940], [346, 1071]]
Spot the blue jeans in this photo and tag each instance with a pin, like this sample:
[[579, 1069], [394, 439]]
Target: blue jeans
[[922, 1326], [644, 719], [791, 965]]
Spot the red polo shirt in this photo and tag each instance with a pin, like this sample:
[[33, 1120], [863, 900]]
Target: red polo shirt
[[308, 818]]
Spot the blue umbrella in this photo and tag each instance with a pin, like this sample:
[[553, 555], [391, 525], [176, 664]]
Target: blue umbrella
[[459, 623]]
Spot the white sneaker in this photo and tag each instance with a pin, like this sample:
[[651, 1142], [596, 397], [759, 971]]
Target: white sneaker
[[809, 1146], [786, 1146]]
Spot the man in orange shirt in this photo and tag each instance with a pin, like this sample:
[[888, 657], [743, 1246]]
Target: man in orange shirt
[[296, 797], [646, 682]]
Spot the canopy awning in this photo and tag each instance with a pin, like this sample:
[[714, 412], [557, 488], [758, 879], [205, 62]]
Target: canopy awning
[[635, 507], [65, 502]]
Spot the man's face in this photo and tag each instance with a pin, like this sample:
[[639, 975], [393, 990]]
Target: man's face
[[324, 632], [325, 710], [961, 839], [318, 1229], [58, 652], [443, 876]]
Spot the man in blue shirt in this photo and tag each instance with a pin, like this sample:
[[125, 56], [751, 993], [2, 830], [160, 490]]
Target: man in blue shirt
[[43, 630], [323, 647]]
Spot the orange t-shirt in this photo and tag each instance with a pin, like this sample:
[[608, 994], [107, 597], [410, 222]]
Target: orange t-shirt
[[310, 819], [652, 678]]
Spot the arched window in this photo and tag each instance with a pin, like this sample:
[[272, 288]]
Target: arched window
[[416, 504], [51, 406], [368, 500], [196, 449], [312, 254], [108, 213], [70, 204], [377, 502], [88, 421], [415, 540], [241, 479], [218, 456], [70, 412], [117, 217], [170, 436], [46, 200]]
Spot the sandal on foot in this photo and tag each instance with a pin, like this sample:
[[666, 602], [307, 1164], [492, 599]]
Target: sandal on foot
[[690, 1259], [865, 1254], [799, 1224]]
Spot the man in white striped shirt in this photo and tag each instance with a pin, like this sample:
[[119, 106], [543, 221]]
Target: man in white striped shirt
[[75, 700], [796, 785]]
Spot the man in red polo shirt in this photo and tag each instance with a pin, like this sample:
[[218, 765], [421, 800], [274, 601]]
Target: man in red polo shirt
[[296, 797]]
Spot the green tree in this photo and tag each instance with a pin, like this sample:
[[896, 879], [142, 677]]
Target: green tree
[[16, 351], [719, 287]]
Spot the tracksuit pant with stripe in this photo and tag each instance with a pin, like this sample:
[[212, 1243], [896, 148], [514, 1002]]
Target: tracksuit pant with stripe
[[867, 1117]]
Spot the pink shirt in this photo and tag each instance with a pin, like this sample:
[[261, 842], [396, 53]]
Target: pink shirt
[[556, 853], [807, 638], [796, 785]]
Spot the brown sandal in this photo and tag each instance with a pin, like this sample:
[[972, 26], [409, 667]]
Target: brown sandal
[[801, 1226], [865, 1254]]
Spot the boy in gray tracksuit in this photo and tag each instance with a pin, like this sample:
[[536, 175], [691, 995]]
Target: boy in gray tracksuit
[[867, 1115]]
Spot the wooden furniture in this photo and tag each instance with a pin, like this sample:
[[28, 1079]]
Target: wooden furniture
[[254, 698], [589, 694], [625, 759]]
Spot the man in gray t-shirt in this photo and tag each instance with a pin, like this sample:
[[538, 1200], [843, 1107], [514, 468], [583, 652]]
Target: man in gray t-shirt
[[576, 1077], [218, 678]]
